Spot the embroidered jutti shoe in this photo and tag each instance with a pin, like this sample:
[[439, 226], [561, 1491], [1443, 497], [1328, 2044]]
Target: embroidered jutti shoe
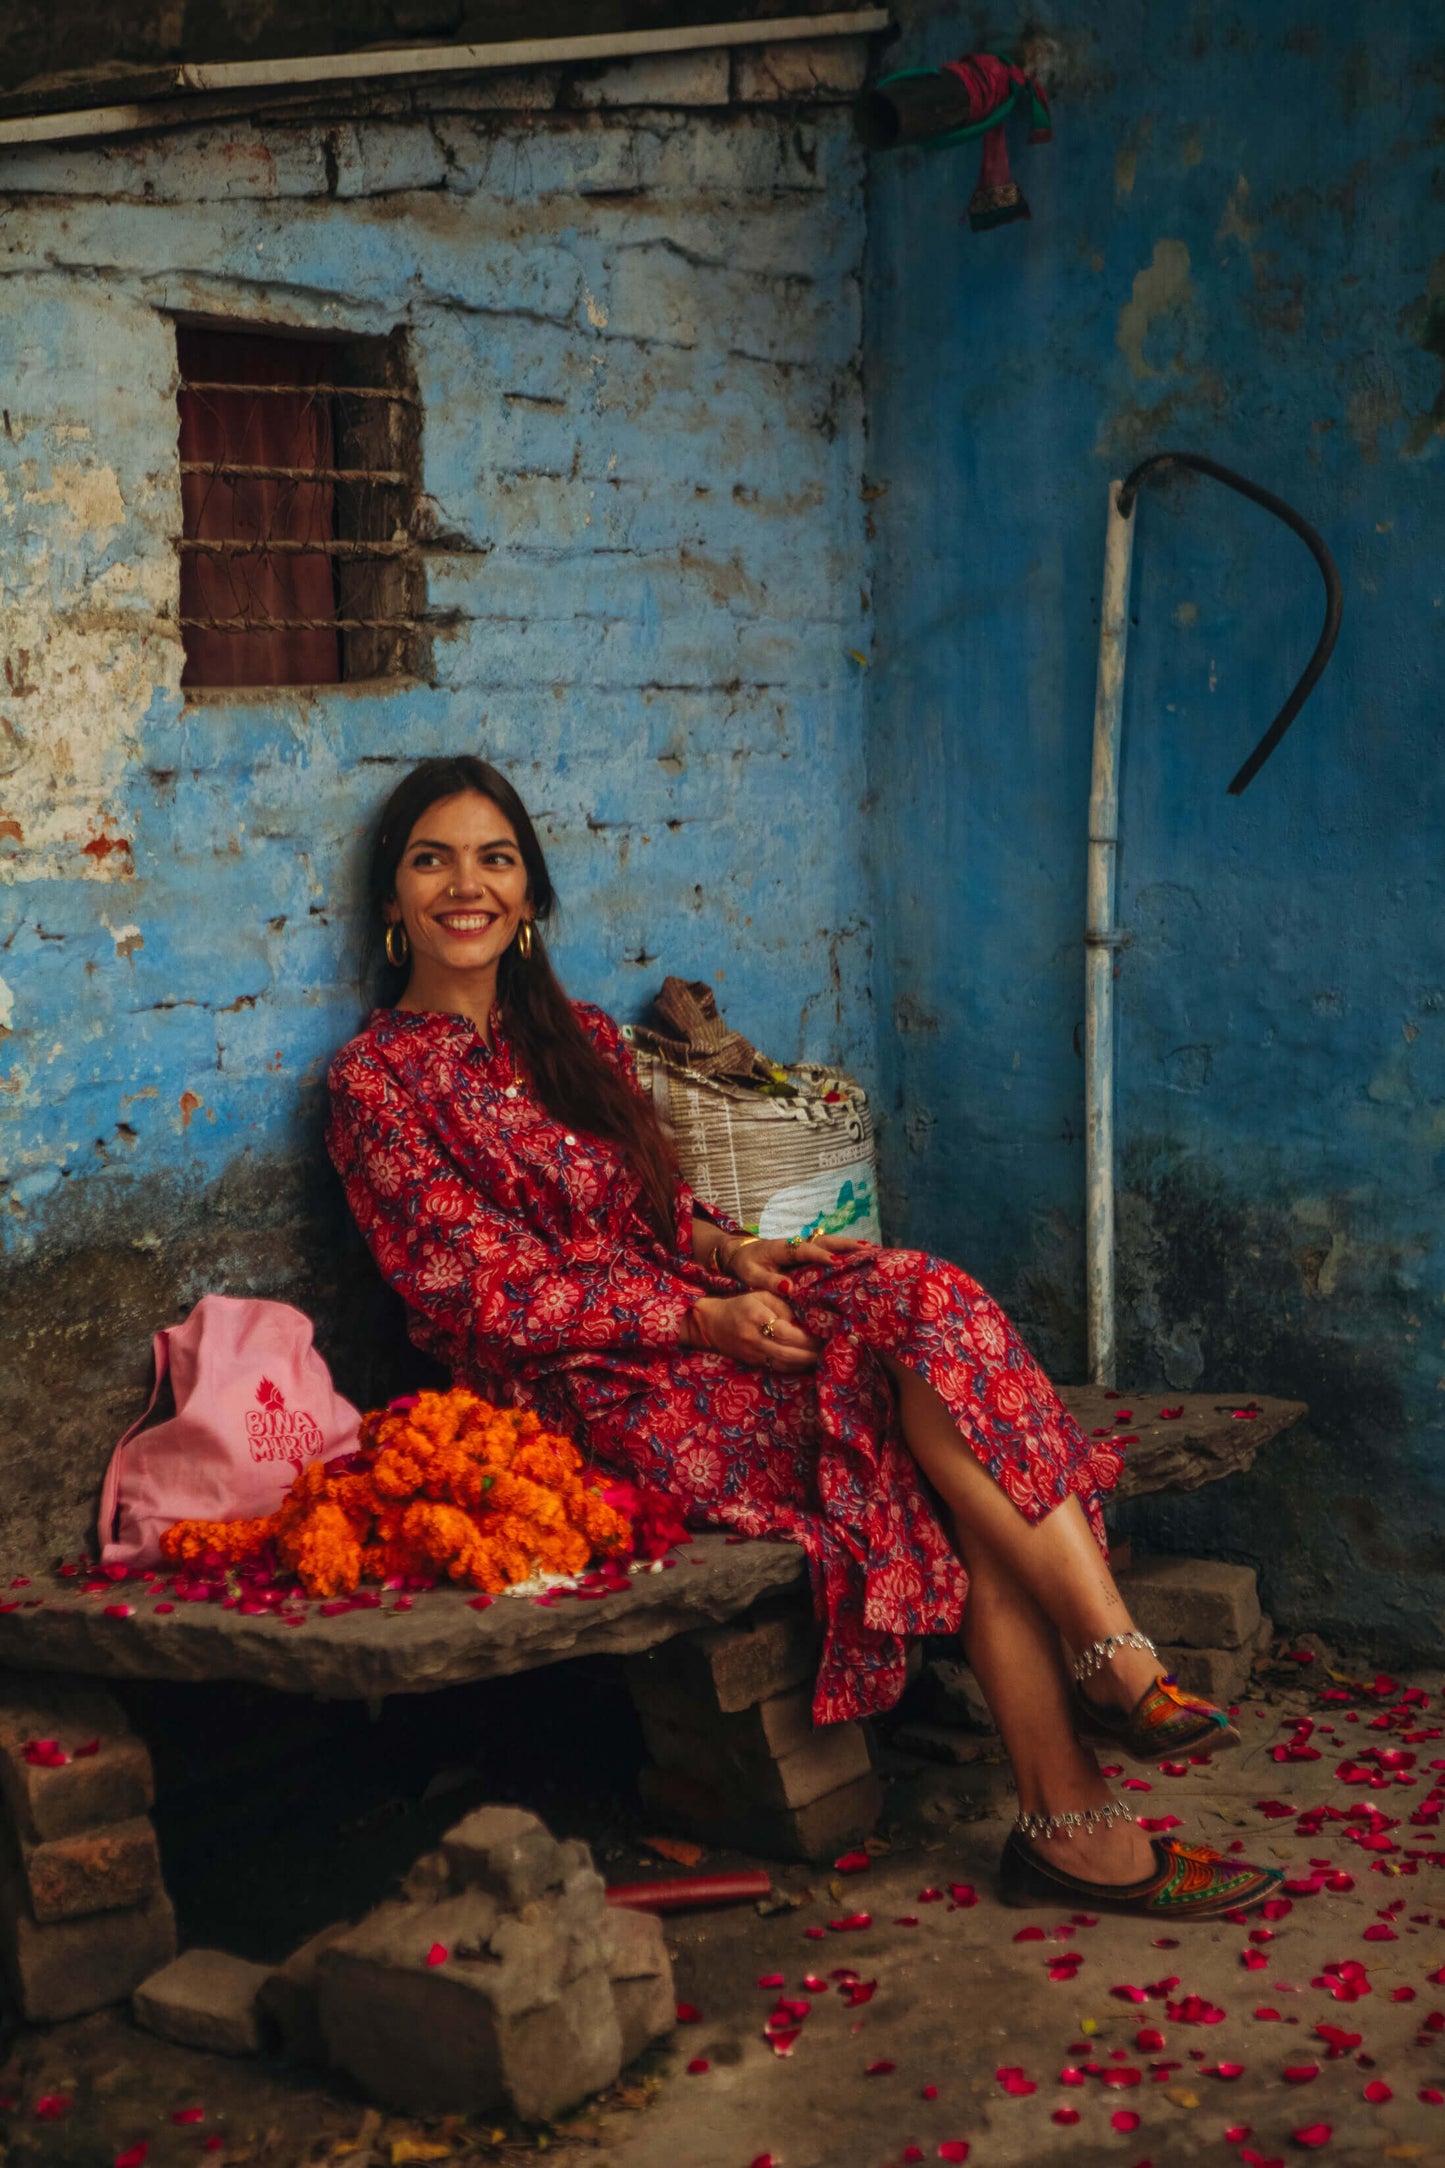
[[1190, 1882], [1163, 1721]]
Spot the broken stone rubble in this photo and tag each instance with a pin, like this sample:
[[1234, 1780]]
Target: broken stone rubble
[[499, 1980]]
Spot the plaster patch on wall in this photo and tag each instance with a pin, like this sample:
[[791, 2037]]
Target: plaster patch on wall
[[7, 1009], [1237, 223], [1163, 285], [78, 673], [89, 498]]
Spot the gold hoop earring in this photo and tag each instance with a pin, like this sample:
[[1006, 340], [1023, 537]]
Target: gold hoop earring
[[524, 940], [396, 962]]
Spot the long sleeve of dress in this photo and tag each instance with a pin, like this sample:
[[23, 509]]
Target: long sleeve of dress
[[482, 1271]]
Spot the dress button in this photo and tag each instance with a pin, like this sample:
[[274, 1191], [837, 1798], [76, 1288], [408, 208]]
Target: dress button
[[569, 1138], [511, 1092]]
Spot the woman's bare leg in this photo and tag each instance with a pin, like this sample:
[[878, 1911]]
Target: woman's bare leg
[[1030, 1583]]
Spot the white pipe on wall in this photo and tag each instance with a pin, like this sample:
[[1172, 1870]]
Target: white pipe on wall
[[1101, 940], [365, 67]]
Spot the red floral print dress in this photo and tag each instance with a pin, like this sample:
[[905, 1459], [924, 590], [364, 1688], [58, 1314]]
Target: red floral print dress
[[530, 1268]]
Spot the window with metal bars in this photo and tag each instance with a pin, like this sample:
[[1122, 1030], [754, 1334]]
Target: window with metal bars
[[300, 467]]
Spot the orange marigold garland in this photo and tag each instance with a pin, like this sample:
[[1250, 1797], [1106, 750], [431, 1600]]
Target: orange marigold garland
[[444, 1486]]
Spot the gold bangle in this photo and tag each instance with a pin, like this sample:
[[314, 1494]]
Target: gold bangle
[[737, 1250]]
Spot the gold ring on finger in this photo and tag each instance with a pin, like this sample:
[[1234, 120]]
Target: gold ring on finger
[[770, 1329]]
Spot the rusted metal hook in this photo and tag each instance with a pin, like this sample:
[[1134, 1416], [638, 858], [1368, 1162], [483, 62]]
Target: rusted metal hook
[[1329, 571]]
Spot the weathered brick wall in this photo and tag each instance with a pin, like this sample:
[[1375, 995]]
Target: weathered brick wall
[[634, 320]]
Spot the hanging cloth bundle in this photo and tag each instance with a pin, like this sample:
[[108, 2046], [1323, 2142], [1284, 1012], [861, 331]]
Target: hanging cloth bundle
[[965, 98], [993, 86]]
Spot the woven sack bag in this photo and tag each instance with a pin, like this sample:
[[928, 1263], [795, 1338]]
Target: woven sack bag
[[780, 1166]]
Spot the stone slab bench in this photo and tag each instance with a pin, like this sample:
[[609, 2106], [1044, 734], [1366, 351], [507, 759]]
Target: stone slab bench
[[719, 1647], [360, 1655], [442, 1641], [1212, 1434]]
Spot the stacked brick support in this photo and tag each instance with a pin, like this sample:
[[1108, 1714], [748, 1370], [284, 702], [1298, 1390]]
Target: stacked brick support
[[1204, 1616], [737, 1759], [84, 1915]]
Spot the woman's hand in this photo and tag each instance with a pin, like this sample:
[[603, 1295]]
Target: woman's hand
[[766, 1265], [756, 1329]]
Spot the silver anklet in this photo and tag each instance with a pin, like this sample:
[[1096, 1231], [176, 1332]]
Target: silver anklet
[[1064, 1825], [1102, 1652]]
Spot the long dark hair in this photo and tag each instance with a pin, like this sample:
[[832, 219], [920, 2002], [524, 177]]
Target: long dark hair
[[572, 1080]]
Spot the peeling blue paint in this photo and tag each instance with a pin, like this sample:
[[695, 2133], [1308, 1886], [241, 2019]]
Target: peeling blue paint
[[1282, 1079]]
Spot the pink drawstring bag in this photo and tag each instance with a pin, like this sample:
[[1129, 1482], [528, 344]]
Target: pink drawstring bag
[[253, 1403]]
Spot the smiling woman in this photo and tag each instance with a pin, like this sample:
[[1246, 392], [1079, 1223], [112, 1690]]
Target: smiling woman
[[874, 1406]]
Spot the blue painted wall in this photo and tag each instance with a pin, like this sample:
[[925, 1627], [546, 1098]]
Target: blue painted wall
[[1234, 249], [635, 330]]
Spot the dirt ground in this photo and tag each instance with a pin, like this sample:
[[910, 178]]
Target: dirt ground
[[948, 2029]]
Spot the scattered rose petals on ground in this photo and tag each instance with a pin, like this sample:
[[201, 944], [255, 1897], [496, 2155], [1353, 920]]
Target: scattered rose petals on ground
[[698, 2066], [1064, 2116], [853, 1921], [188, 2115], [1300, 2073], [880, 2069], [52, 2107], [963, 1894], [1314, 2134], [45, 1754], [1236, 2133], [135, 2155], [688, 2013], [763, 2160], [437, 1954], [1377, 2090], [853, 1863], [1013, 2081], [1124, 2119], [814, 1983], [953, 2149], [1431, 2095], [930, 2092], [771, 1979]]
